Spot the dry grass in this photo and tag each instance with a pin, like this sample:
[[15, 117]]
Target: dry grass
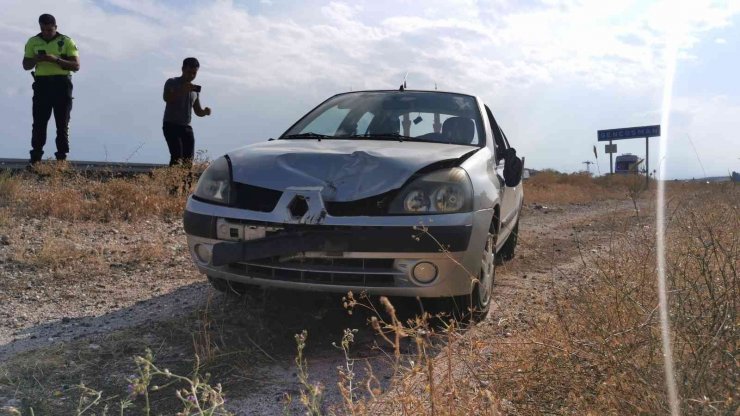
[[5, 217], [58, 252], [119, 376], [552, 187], [147, 252], [599, 350], [59, 192], [9, 188]]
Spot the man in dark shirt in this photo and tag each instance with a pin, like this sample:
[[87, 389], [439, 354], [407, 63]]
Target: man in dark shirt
[[182, 98]]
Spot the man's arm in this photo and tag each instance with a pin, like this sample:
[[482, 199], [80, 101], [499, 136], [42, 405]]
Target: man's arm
[[71, 63], [199, 111], [29, 58], [29, 63], [171, 92], [70, 59]]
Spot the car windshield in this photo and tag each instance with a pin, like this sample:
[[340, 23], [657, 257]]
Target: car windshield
[[424, 116]]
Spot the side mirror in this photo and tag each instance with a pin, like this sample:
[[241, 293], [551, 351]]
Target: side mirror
[[513, 167]]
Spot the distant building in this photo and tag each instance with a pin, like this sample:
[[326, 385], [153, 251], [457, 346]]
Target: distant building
[[627, 163]]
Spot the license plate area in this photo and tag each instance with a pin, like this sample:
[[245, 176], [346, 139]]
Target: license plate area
[[232, 231]]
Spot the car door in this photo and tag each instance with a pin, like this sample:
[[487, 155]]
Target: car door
[[511, 200]]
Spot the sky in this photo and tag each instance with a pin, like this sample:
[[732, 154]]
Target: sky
[[553, 71]]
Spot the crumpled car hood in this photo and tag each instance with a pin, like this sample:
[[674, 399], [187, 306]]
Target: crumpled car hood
[[347, 170]]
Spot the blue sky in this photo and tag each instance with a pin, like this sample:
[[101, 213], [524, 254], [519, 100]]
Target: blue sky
[[553, 71]]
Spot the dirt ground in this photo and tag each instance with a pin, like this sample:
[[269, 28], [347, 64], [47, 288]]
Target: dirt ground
[[78, 300]]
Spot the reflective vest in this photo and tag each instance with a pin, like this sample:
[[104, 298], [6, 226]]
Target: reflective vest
[[61, 46]]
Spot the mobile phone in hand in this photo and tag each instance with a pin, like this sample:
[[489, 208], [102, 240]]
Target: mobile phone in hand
[[196, 88]]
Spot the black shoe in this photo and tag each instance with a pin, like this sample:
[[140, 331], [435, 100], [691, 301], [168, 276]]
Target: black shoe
[[36, 156]]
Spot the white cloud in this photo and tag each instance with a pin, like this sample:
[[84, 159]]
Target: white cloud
[[711, 124], [290, 59]]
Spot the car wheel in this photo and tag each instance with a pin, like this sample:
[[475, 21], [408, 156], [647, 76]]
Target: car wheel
[[232, 288], [507, 250], [483, 290], [475, 306]]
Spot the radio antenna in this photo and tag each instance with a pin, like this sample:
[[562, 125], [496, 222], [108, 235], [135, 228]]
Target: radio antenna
[[403, 86]]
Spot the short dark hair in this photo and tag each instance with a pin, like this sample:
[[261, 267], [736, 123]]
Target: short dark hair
[[190, 63], [47, 19]]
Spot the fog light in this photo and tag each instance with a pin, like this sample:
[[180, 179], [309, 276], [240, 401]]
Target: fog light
[[425, 272], [203, 252]]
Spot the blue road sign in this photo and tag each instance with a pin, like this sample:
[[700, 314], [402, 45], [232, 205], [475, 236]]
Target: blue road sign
[[628, 133]]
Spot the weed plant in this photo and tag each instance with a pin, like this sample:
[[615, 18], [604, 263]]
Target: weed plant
[[55, 190], [599, 351], [552, 187]]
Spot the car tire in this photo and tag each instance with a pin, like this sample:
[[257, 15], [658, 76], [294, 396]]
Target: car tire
[[507, 250], [232, 288], [483, 290], [475, 307]]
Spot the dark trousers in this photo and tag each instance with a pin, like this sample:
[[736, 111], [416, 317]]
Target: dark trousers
[[181, 142], [51, 93]]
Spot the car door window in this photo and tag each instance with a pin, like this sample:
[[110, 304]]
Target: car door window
[[498, 136]]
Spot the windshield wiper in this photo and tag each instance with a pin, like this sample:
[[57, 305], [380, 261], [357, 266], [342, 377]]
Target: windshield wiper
[[309, 135], [386, 136]]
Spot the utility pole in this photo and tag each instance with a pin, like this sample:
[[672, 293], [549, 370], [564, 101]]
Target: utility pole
[[647, 167], [611, 159], [588, 166]]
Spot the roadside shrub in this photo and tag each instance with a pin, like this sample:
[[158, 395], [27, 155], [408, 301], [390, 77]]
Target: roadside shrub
[[56, 201], [602, 352], [599, 351], [9, 188], [69, 195], [552, 187]]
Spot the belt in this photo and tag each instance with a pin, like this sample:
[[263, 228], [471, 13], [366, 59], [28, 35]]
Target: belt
[[53, 76]]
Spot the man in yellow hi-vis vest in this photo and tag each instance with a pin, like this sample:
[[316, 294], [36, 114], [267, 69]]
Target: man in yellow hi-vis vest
[[54, 56]]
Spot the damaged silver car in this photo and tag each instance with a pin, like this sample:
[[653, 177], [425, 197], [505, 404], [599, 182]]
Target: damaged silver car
[[398, 193]]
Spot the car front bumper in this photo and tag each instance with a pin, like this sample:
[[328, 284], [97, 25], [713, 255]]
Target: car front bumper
[[425, 256]]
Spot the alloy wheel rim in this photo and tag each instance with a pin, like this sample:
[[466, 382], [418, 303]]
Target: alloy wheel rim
[[486, 275]]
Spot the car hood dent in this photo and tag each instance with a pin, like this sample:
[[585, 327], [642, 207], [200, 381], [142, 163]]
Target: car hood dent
[[346, 170]]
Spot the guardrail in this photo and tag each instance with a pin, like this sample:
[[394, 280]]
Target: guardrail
[[88, 166]]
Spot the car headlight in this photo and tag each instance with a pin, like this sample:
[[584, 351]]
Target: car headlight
[[215, 182], [441, 192]]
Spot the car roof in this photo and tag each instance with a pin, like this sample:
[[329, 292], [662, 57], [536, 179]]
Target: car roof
[[408, 90]]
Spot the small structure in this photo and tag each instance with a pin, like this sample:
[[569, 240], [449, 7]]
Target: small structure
[[627, 164]]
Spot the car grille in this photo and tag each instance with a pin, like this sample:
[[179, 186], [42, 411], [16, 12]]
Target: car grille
[[327, 271], [256, 198], [371, 206]]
